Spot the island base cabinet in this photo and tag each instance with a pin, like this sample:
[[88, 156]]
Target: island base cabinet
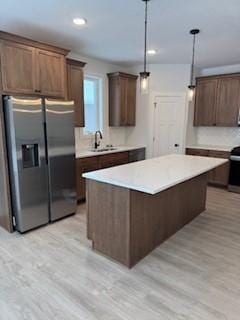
[[108, 222], [126, 225]]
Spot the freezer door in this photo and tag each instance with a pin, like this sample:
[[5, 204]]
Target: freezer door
[[61, 157], [27, 161]]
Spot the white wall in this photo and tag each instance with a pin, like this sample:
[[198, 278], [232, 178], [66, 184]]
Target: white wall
[[163, 78], [116, 136], [212, 135]]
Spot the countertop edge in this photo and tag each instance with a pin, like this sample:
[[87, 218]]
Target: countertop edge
[[214, 148], [90, 176], [119, 149]]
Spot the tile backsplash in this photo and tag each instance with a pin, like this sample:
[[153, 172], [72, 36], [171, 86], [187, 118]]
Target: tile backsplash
[[218, 136]]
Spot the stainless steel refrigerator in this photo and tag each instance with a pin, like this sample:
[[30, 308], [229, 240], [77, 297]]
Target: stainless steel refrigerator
[[41, 155]]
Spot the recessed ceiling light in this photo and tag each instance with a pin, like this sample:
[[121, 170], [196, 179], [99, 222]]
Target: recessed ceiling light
[[151, 52], [79, 21]]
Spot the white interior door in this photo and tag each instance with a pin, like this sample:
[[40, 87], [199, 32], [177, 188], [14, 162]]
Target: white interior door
[[169, 124]]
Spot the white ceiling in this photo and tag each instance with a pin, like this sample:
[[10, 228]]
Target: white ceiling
[[115, 28]]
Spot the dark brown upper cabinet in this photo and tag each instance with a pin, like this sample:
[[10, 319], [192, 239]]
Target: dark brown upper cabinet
[[32, 68], [51, 74], [205, 102], [217, 101], [122, 99], [228, 101], [17, 68], [75, 78]]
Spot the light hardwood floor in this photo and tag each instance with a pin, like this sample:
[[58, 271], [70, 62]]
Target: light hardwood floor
[[52, 273]]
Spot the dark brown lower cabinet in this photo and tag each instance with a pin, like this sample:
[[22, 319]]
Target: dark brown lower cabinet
[[137, 155], [219, 176], [101, 162], [197, 152], [84, 165], [114, 159]]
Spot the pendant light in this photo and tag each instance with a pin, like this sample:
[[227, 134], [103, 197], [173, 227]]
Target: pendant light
[[192, 86], [144, 76]]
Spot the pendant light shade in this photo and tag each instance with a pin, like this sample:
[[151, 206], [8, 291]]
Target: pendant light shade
[[191, 92], [144, 76], [144, 82], [192, 86]]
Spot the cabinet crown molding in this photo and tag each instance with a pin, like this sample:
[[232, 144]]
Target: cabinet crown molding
[[26, 41], [77, 63], [219, 76], [122, 74]]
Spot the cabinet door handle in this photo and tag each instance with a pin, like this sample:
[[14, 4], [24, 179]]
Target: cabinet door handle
[[239, 117], [37, 90]]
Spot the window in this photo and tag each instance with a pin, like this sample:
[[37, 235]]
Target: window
[[92, 104]]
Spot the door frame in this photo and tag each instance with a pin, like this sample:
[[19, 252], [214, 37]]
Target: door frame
[[180, 94]]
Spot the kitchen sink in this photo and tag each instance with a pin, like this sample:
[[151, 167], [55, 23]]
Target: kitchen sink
[[103, 149]]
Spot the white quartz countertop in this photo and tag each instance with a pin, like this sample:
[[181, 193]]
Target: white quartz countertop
[[211, 147], [157, 174], [88, 153]]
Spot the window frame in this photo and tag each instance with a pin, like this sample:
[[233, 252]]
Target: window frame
[[99, 97]]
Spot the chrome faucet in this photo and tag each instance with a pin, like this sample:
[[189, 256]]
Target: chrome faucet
[[97, 144]]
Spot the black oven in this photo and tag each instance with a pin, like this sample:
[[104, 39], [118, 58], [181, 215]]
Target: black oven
[[234, 176]]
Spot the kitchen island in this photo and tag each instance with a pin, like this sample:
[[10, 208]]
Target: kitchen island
[[133, 208]]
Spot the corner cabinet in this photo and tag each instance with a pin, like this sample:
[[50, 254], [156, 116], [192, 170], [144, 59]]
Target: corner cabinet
[[122, 99], [75, 78], [32, 68], [217, 101]]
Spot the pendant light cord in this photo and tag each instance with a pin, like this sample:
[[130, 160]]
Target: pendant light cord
[[145, 37], [193, 58]]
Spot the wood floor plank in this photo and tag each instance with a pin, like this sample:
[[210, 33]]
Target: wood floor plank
[[52, 272]]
